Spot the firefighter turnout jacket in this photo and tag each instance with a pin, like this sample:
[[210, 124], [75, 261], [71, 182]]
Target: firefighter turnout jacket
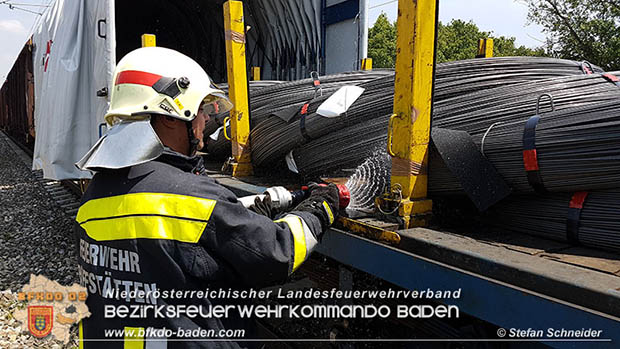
[[163, 226]]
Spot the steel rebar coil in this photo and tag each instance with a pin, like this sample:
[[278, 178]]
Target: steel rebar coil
[[577, 149], [546, 216], [274, 138]]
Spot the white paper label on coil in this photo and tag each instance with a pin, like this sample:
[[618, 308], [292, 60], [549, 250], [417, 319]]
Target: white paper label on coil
[[216, 134], [290, 162], [340, 101]]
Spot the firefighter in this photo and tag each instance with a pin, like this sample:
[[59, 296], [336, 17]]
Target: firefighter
[[151, 222]]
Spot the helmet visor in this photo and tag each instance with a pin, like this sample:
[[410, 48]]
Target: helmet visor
[[216, 102]]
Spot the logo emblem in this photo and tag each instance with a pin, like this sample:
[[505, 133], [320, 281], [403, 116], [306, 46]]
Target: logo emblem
[[40, 320]]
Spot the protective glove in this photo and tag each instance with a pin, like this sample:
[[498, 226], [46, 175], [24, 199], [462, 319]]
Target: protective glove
[[323, 203], [263, 207]]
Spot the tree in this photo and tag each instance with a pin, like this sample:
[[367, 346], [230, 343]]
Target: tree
[[456, 40], [504, 47], [459, 40], [580, 29], [382, 43]]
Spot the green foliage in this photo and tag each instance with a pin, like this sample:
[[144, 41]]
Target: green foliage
[[505, 47], [456, 40], [581, 29], [382, 43], [459, 40]]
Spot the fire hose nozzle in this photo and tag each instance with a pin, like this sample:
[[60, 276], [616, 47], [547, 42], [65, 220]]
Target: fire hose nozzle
[[282, 199], [344, 196]]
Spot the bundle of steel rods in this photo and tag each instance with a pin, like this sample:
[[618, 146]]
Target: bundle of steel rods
[[273, 138], [595, 224], [476, 111], [575, 140], [267, 98], [570, 156], [343, 150], [254, 86], [220, 148], [266, 101], [462, 77], [576, 149]]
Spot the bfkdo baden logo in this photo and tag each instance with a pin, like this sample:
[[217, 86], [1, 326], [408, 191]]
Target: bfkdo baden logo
[[40, 320], [51, 309]]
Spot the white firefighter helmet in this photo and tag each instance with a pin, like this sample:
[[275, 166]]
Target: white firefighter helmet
[[150, 81], [161, 81]]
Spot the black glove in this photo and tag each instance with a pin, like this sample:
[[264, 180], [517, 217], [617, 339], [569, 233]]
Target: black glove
[[263, 206], [321, 196]]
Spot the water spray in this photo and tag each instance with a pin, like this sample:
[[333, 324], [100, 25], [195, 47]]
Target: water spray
[[356, 196], [368, 182]]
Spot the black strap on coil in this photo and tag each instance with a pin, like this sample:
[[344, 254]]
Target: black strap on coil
[[612, 78], [316, 82], [303, 112], [302, 122], [573, 216], [530, 156]]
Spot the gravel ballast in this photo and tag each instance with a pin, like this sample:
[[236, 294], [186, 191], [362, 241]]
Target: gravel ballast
[[36, 237]]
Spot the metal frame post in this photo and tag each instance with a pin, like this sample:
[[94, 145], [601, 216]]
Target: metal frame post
[[148, 40], [485, 48], [255, 73], [409, 127], [234, 27], [366, 63], [363, 30]]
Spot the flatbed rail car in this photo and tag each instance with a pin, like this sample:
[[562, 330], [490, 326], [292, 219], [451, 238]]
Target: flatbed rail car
[[510, 280]]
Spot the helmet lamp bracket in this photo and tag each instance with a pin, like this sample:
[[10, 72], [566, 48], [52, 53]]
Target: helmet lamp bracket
[[167, 86]]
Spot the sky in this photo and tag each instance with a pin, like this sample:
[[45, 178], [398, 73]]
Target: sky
[[503, 17], [15, 28]]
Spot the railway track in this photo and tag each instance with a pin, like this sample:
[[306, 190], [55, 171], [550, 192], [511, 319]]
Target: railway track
[[62, 192]]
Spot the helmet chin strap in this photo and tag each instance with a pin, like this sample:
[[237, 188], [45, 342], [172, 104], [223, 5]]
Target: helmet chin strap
[[193, 141]]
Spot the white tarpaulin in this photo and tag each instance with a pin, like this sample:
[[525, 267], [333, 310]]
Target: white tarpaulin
[[74, 57]]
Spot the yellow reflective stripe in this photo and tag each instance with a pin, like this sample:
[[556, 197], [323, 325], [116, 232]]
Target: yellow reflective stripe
[[145, 227], [329, 212], [81, 335], [146, 215], [133, 339], [175, 205], [299, 238]]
